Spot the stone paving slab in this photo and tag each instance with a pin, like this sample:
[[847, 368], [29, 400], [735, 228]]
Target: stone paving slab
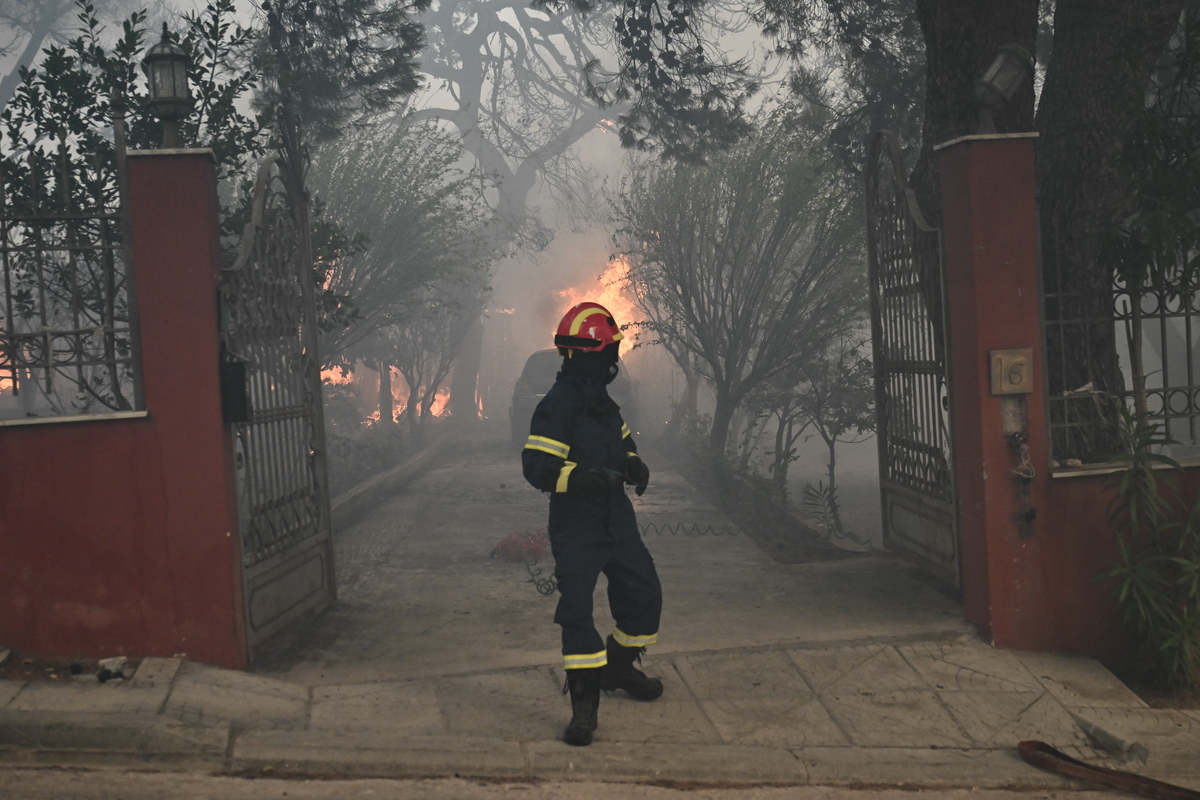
[[376, 753], [1079, 682], [783, 722], [512, 704], [764, 674], [1001, 719], [895, 719], [675, 718], [665, 762], [9, 690], [968, 667], [411, 708], [858, 668], [204, 695], [758, 698]]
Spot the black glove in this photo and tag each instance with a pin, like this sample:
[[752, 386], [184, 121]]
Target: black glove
[[637, 473], [591, 484]]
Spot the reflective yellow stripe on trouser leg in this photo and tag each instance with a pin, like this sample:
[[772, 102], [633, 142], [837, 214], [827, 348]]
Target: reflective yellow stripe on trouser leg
[[585, 661], [625, 640]]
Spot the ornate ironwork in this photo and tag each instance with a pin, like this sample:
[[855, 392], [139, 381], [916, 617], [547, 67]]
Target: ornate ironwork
[[1101, 344], [68, 331], [1108, 343], [1169, 354], [268, 322], [911, 383]]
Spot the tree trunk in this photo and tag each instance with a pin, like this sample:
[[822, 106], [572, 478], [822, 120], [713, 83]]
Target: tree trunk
[[723, 413], [962, 37], [781, 458], [1104, 51], [464, 386], [834, 512], [387, 410]]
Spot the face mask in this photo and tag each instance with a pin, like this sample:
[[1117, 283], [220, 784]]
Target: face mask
[[611, 374]]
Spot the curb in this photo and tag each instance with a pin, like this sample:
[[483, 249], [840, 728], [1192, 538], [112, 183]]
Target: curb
[[352, 504], [109, 739], [363, 754]]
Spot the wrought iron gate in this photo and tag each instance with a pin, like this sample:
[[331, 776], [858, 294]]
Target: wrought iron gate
[[269, 336], [908, 314]]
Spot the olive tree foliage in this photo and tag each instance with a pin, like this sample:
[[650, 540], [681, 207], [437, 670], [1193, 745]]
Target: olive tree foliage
[[747, 262], [675, 89], [422, 220], [510, 79], [861, 60], [331, 63]]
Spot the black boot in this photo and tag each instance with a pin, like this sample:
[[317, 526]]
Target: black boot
[[584, 685], [620, 673]]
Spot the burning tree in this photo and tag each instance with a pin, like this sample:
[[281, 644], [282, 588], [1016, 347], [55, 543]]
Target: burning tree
[[748, 263], [421, 216]]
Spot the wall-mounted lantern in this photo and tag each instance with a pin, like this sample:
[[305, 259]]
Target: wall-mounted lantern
[[998, 85], [166, 66]]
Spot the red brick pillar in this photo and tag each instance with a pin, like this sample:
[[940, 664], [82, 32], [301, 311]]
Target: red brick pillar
[[998, 400], [173, 203]]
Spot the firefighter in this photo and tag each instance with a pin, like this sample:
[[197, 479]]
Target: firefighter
[[581, 452]]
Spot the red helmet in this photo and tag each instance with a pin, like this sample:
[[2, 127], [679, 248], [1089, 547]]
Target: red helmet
[[587, 327]]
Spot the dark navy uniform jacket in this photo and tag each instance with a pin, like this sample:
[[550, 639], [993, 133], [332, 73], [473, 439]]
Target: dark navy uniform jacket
[[578, 426]]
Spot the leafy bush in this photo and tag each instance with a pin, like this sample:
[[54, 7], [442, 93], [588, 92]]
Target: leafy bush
[[1158, 557]]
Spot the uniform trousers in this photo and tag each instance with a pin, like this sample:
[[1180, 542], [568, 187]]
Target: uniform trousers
[[634, 592]]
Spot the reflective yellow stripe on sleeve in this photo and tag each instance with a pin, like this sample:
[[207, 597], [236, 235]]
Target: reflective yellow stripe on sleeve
[[548, 445], [625, 432], [563, 475], [586, 661], [625, 640], [630, 454]]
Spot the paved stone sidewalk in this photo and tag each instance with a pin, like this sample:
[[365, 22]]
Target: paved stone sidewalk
[[439, 660], [933, 713]]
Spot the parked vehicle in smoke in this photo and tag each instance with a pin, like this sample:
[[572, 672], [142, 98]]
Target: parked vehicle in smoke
[[538, 376]]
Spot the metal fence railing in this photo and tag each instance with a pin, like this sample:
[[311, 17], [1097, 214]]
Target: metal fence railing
[[1095, 344], [68, 334]]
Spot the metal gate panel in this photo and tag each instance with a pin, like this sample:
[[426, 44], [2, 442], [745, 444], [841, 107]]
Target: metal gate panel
[[269, 327], [908, 314]]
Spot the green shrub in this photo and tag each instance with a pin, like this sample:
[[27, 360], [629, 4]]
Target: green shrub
[[1158, 557]]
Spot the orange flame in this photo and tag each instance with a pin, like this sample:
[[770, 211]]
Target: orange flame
[[438, 407], [609, 291], [337, 376]]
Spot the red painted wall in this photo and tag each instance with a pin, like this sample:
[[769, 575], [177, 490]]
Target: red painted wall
[[991, 256], [120, 537], [1037, 592]]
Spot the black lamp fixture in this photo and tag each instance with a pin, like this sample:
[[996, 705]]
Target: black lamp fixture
[[166, 66], [996, 88]]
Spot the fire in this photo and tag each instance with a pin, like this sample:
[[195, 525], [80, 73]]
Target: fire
[[337, 376], [610, 293], [438, 407]]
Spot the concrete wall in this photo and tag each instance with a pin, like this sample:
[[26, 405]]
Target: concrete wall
[[119, 537]]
